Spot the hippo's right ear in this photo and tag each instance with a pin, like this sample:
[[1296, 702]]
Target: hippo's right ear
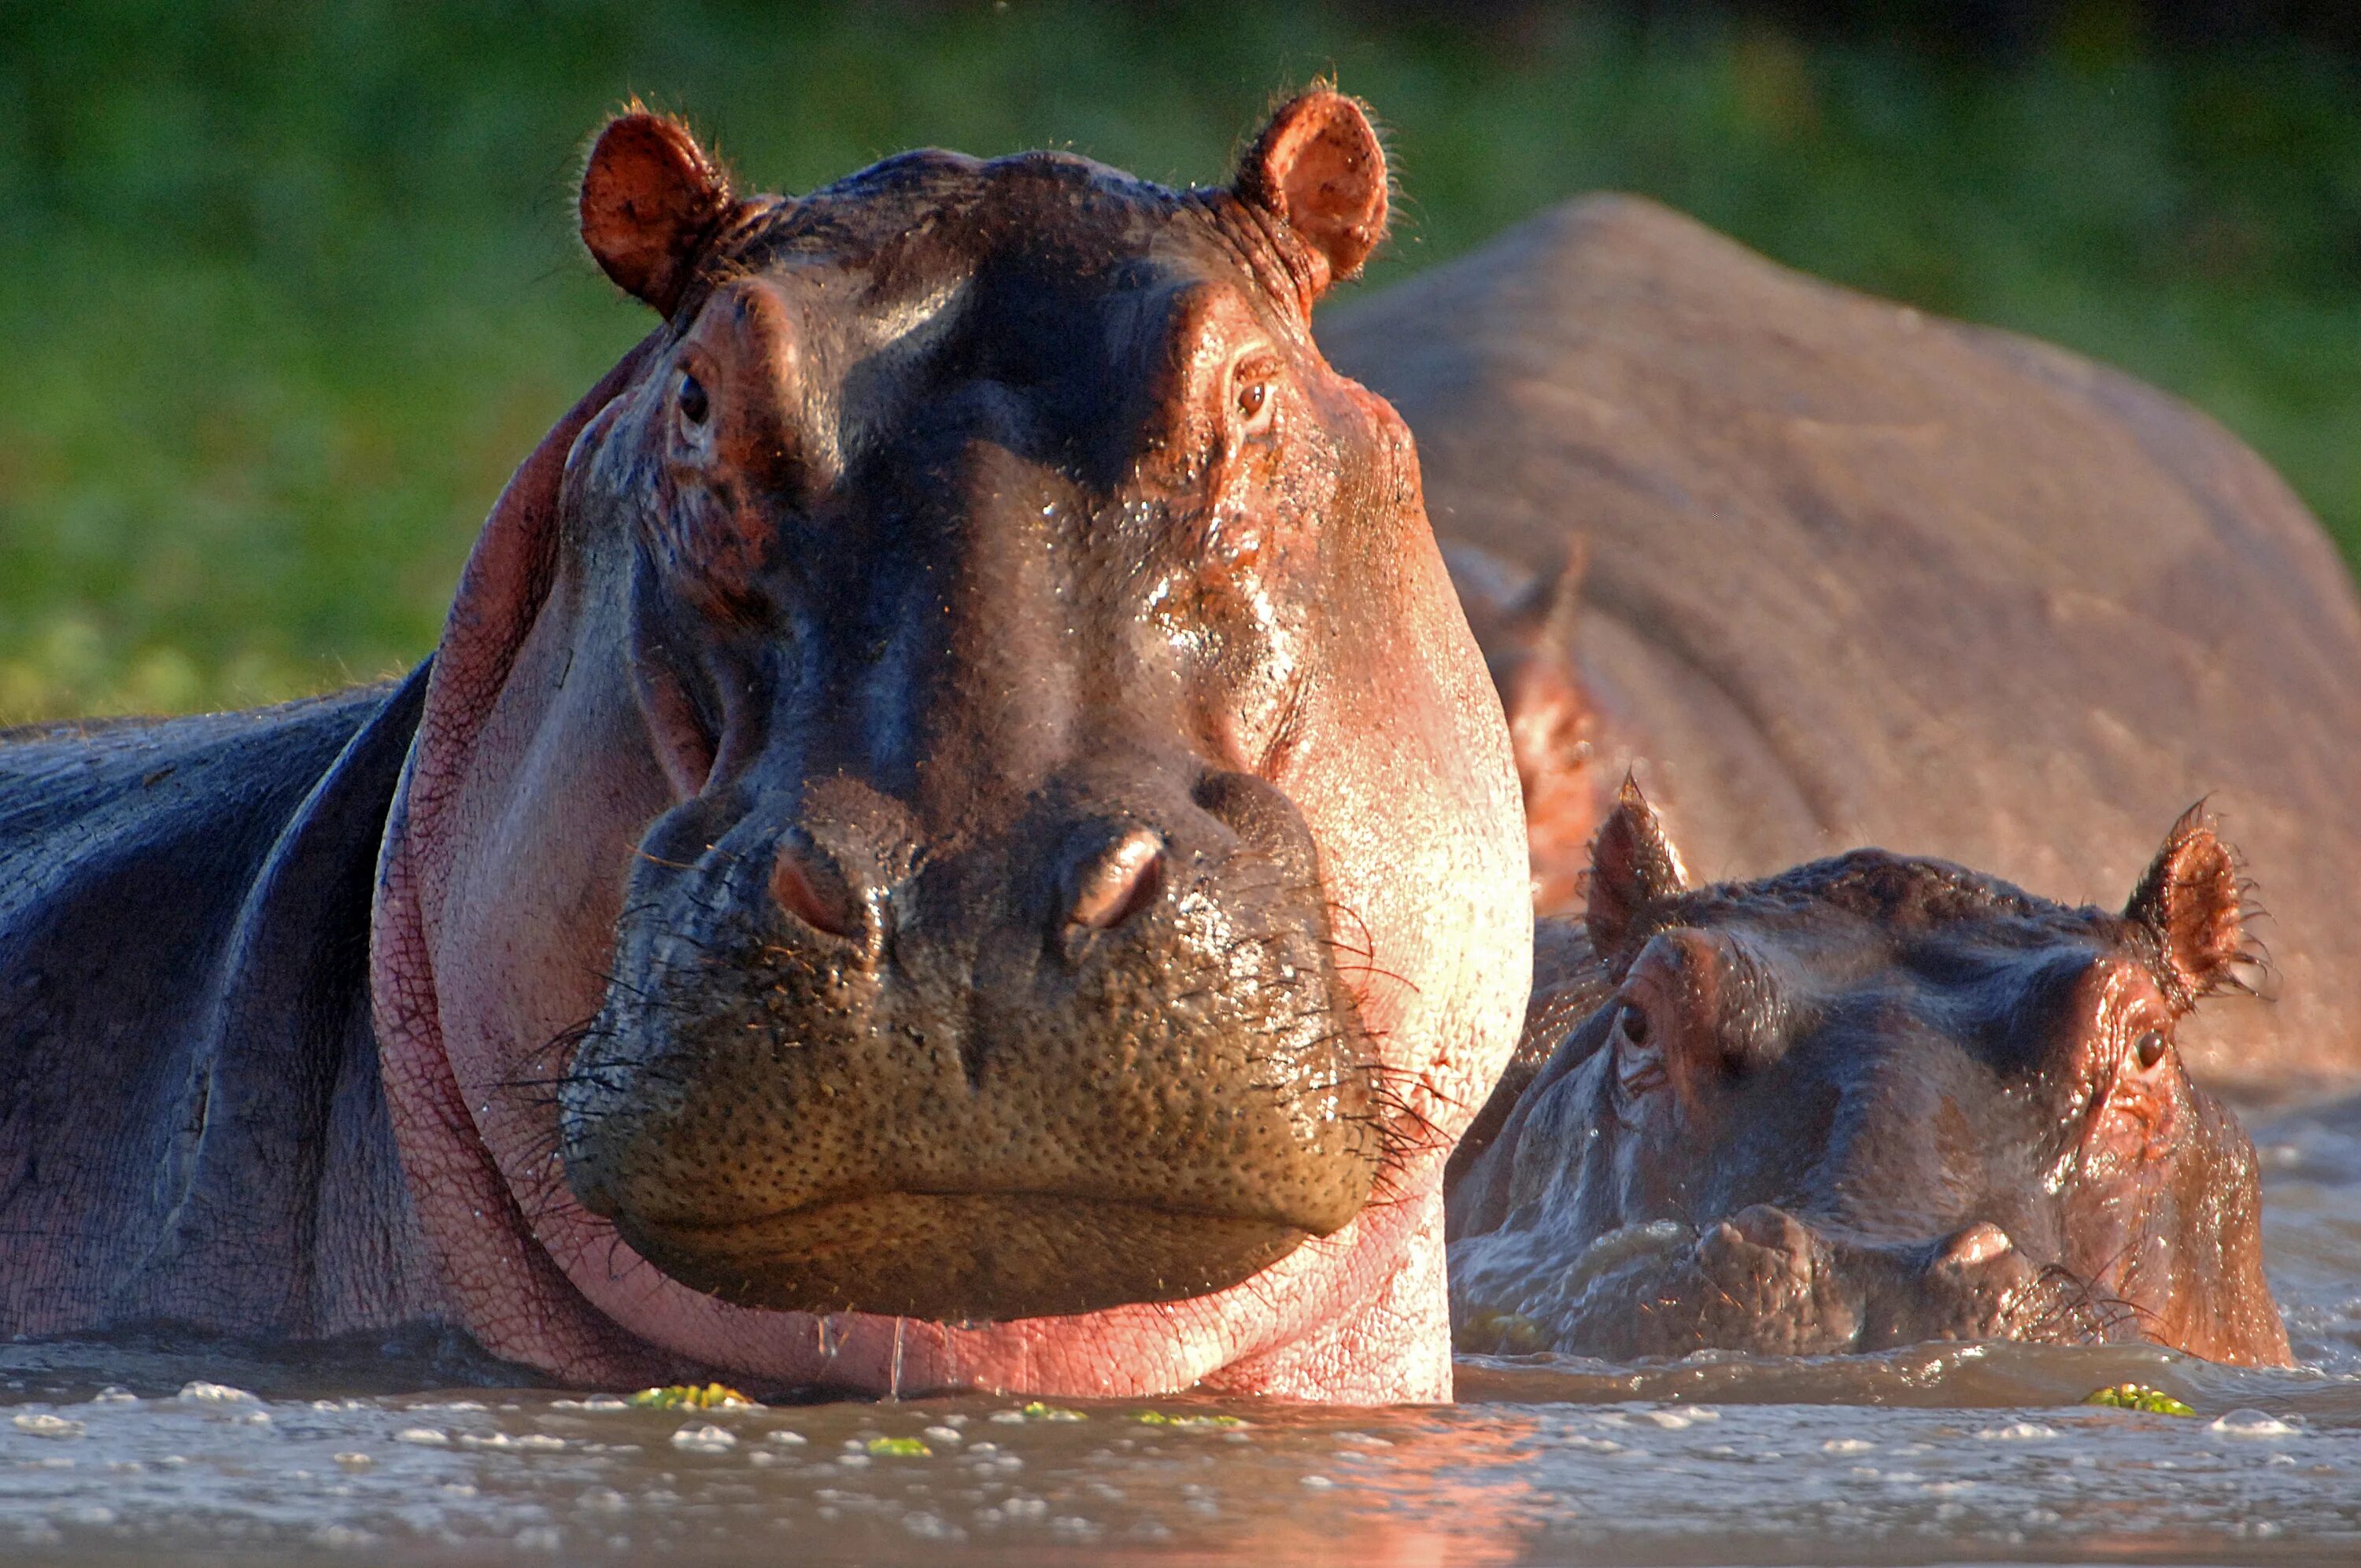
[[651, 199], [2190, 901], [1318, 168], [1632, 865]]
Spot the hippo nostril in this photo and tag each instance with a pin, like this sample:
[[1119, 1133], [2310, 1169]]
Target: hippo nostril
[[807, 887], [1117, 882], [1979, 1243]]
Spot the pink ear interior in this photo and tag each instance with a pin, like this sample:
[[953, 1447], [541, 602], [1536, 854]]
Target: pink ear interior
[[2189, 899], [650, 198], [1318, 165], [1632, 865]]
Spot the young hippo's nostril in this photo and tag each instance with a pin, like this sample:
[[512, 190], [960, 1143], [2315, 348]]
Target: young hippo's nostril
[[1979, 1243], [810, 888], [1117, 882]]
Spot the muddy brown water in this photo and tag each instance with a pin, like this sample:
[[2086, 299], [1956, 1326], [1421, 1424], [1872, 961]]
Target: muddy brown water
[[131, 1452]]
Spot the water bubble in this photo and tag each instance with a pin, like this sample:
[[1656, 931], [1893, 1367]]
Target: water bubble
[[45, 1425], [2017, 1431], [113, 1395], [1847, 1445], [424, 1437], [1318, 1482], [537, 1538], [355, 1460], [214, 1394], [787, 1439], [603, 1500], [704, 1439], [2245, 1422], [943, 1434]]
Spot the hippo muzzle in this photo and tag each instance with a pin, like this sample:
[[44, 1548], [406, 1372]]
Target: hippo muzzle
[[1101, 1056]]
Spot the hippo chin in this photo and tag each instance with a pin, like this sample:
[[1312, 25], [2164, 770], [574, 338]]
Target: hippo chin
[[1871, 1100], [956, 837]]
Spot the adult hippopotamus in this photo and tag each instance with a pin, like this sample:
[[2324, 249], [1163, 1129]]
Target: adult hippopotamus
[[1869, 1100], [1828, 572], [955, 837]]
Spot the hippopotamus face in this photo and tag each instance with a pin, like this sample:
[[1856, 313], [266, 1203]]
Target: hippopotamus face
[[1870, 1101], [998, 811]]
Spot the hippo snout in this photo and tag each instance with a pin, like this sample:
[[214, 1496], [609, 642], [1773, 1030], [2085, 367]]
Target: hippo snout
[[1098, 1054]]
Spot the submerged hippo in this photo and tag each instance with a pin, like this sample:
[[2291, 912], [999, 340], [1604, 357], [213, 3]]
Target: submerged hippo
[[956, 837], [1827, 572], [1870, 1101]]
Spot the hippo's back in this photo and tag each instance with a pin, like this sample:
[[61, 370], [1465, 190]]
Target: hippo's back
[[1857, 575], [189, 1117]]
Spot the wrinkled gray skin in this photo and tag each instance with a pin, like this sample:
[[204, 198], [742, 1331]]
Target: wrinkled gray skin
[[1855, 576]]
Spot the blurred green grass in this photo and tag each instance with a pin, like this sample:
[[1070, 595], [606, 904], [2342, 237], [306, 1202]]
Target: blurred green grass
[[285, 291]]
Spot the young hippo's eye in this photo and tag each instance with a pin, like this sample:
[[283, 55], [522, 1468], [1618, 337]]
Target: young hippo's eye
[[1631, 1024], [2149, 1048], [694, 406]]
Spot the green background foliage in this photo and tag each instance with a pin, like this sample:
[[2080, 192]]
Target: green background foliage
[[286, 291]]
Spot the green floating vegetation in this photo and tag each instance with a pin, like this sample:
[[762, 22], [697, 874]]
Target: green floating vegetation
[[1488, 1332], [690, 1397], [899, 1448], [1186, 1423], [1038, 1412], [2139, 1397]]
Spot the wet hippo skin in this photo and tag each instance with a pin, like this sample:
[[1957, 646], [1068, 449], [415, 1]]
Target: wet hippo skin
[[1847, 574], [956, 837], [1871, 1100]]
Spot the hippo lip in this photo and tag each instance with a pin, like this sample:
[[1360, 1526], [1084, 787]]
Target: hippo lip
[[966, 1256]]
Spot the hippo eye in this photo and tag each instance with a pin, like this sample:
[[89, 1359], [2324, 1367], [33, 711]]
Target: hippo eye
[[1631, 1023], [2148, 1050], [1252, 395], [694, 404]]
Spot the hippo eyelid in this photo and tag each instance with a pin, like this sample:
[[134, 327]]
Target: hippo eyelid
[[1254, 390]]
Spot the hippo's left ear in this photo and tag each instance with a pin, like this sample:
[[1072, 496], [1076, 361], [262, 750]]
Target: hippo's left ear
[[1632, 865], [651, 199], [1318, 168], [2189, 903]]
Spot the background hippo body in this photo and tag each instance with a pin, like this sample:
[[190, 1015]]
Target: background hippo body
[[192, 1126], [1855, 576]]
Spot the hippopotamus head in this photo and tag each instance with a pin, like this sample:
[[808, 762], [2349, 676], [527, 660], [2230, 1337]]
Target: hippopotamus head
[[957, 795], [1870, 1101]]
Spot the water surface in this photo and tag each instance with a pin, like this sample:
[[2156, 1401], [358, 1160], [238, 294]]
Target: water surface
[[1940, 1454]]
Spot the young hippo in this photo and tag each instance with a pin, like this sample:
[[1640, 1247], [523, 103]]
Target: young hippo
[[1870, 1101]]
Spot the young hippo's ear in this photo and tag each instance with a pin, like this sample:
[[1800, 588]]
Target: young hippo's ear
[[2188, 902], [1318, 168], [1632, 865], [650, 198]]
